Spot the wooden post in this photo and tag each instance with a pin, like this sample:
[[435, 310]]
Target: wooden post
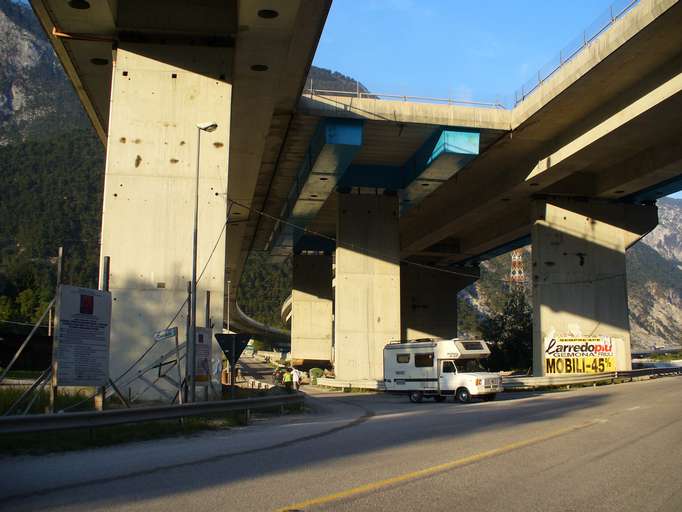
[[55, 362]]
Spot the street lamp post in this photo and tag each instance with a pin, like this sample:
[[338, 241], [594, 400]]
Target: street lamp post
[[191, 342]]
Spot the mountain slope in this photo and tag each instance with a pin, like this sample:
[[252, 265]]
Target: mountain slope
[[35, 96], [666, 239]]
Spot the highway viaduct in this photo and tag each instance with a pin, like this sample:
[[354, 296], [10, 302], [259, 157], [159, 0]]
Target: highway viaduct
[[386, 207]]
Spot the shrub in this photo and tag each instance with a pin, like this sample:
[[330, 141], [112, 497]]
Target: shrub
[[314, 374]]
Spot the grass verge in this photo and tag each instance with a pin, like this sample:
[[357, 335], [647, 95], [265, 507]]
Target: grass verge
[[64, 398]]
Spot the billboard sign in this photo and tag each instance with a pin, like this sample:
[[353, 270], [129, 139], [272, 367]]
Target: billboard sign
[[579, 354], [82, 324]]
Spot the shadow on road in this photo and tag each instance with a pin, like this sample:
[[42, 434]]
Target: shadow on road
[[384, 422]]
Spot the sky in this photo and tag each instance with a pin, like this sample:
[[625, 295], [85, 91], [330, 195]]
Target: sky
[[481, 50]]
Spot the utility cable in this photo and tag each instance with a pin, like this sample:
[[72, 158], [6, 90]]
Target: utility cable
[[406, 261], [15, 322], [349, 246]]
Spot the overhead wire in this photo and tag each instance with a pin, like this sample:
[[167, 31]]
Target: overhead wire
[[407, 261], [364, 250]]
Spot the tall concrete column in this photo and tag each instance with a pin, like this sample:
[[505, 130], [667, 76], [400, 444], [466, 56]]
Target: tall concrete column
[[428, 301], [312, 310], [579, 275], [367, 284], [159, 94]]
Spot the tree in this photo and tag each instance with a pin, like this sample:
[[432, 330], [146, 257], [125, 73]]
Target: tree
[[511, 333], [6, 309]]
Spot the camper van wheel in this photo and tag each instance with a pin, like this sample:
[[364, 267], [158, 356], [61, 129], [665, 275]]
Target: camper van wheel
[[463, 395], [416, 396], [439, 398]]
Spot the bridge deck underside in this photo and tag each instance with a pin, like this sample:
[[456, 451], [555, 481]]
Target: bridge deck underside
[[605, 126], [388, 144]]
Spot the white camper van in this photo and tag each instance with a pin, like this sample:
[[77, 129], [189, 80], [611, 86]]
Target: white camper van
[[438, 368]]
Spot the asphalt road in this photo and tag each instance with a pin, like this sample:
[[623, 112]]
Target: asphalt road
[[611, 448]]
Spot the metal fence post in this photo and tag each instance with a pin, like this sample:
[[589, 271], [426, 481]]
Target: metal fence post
[[104, 286], [187, 347]]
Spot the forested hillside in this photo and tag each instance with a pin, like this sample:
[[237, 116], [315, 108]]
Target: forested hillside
[[51, 197]]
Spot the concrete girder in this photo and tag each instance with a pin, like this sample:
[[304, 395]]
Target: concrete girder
[[272, 58], [651, 46], [436, 162], [580, 166], [443, 154], [403, 112], [489, 240], [634, 57], [567, 159], [331, 150], [657, 191], [655, 165], [327, 167]]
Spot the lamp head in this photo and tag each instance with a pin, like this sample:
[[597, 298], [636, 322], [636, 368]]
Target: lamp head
[[207, 127]]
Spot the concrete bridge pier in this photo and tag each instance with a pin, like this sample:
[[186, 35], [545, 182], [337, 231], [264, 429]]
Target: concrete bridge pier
[[158, 95], [428, 300], [579, 273], [312, 310], [367, 284]]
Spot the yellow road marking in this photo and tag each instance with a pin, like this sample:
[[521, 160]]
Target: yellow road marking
[[380, 484]]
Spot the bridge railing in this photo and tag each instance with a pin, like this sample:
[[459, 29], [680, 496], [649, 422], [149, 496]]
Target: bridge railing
[[400, 97], [615, 12]]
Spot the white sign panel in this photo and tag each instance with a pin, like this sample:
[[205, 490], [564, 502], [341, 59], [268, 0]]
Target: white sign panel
[[203, 356], [82, 336], [165, 334]]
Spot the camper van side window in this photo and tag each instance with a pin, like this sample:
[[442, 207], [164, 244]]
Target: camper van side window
[[423, 360], [449, 367], [402, 358]]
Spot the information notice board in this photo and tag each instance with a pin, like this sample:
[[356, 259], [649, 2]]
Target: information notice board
[[81, 348], [203, 356]]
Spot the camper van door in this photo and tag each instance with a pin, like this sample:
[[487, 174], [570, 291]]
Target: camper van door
[[447, 375]]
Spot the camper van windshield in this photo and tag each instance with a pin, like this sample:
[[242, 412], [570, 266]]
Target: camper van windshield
[[470, 366]]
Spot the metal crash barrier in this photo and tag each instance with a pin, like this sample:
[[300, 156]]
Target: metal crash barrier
[[90, 419], [567, 380]]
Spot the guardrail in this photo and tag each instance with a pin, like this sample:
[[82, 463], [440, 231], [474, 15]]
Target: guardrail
[[567, 380], [66, 421], [523, 382], [401, 97], [614, 12]]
